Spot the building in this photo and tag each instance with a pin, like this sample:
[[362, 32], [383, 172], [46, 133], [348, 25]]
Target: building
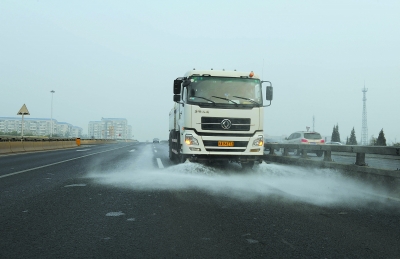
[[76, 132], [110, 128], [37, 127]]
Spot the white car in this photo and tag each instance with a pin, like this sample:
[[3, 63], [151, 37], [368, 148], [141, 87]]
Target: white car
[[306, 137]]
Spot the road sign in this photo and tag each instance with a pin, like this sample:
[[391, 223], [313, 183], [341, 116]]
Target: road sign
[[23, 110]]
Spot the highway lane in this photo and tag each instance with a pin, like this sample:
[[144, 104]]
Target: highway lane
[[132, 202]]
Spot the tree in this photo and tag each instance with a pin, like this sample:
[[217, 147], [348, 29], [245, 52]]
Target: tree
[[372, 141], [353, 139], [335, 134], [381, 140]]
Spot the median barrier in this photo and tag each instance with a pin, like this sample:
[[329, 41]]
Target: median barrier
[[38, 145], [5, 147], [69, 143], [29, 146], [17, 146], [59, 144], [49, 145]]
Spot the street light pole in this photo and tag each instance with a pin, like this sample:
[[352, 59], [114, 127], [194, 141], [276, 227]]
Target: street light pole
[[51, 131]]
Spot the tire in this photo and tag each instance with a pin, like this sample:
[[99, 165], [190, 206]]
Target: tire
[[319, 153], [181, 159], [170, 154]]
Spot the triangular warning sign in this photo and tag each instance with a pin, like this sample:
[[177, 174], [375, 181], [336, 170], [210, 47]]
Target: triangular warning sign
[[23, 110]]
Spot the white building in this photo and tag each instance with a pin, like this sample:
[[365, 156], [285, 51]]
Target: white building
[[76, 132], [110, 128], [36, 127]]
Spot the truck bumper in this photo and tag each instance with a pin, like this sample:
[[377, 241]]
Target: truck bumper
[[241, 149]]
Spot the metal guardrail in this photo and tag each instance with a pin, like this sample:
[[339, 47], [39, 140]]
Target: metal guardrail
[[360, 152], [327, 150]]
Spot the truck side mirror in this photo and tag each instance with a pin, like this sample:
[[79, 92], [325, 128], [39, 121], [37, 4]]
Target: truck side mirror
[[269, 93], [177, 98], [177, 86]]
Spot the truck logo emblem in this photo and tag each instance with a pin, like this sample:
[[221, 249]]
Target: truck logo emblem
[[226, 124]]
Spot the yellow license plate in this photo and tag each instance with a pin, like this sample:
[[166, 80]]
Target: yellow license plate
[[225, 143]]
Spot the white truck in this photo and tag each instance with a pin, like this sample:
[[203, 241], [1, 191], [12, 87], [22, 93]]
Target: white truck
[[218, 116]]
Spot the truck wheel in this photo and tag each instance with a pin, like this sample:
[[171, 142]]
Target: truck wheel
[[170, 153], [182, 159]]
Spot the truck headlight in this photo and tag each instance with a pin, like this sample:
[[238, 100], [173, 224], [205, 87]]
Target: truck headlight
[[259, 142], [190, 140]]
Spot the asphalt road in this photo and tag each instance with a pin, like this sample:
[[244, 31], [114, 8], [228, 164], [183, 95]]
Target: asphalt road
[[128, 201]]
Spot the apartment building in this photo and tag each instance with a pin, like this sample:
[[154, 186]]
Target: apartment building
[[110, 128], [37, 127]]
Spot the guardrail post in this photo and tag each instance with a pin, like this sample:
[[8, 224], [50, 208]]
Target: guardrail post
[[303, 153], [272, 151], [360, 159], [328, 155], [285, 152]]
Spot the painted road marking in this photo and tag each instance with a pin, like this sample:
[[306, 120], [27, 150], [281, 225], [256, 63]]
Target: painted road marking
[[160, 164], [155, 151], [43, 166], [133, 150], [83, 150], [383, 196]]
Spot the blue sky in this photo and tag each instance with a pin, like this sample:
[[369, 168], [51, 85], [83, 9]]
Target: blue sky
[[119, 59]]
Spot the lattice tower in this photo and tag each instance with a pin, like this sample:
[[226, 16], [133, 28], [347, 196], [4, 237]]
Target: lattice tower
[[364, 128]]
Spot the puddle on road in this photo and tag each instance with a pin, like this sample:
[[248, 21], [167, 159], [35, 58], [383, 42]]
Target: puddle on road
[[316, 186]]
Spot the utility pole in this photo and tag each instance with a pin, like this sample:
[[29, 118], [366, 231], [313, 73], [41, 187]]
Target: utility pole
[[313, 123], [51, 131], [364, 128]]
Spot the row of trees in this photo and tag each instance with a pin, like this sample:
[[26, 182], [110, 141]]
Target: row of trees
[[352, 140]]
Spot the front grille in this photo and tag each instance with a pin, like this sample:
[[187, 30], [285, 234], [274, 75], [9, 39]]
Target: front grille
[[214, 123], [213, 143]]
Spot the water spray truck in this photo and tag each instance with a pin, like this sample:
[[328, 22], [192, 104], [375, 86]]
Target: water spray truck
[[218, 115]]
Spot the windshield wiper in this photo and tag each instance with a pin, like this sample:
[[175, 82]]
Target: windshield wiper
[[204, 99], [226, 99], [248, 99]]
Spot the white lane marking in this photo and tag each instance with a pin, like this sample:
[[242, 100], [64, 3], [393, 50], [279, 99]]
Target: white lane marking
[[155, 151], [160, 164], [79, 150], [43, 166], [383, 196], [133, 150], [76, 185], [115, 214]]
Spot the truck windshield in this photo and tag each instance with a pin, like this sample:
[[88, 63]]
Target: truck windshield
[[222, 90]]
